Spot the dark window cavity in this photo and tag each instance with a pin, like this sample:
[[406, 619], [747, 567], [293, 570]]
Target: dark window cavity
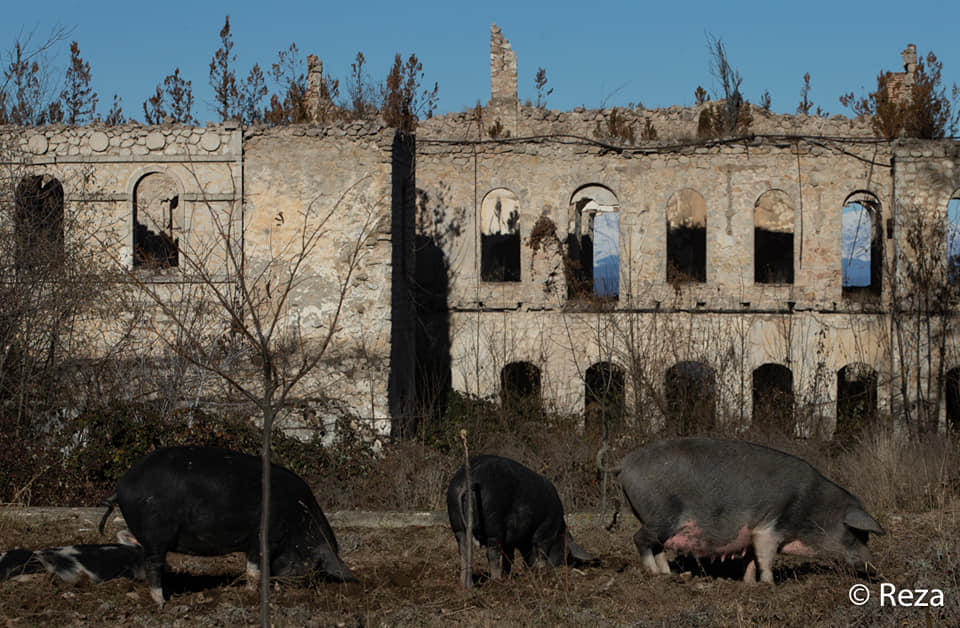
[[953, 398], [773, 217], [773, 399], [500, 236], [856, 399], [520, 388], [691, 392], [686, 237], [38, 222], [604, 399], [156, 212]]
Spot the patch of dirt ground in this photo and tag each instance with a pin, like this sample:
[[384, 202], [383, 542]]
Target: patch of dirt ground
[[409, 576]]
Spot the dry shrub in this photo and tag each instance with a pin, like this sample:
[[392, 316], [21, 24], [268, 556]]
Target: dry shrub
[[897, 472]]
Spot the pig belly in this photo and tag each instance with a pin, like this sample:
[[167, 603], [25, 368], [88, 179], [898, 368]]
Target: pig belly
[[690, 539]]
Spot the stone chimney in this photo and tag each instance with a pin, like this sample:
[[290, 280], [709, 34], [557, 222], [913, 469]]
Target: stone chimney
[[317, 97], [900, 84], [504, 104]]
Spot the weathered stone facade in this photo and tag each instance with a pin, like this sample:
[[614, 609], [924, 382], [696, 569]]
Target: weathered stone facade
[[471, 244]]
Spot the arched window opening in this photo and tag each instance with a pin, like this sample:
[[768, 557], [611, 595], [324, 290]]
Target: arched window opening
[[155, 210], [604, 399], [691, 392], [520, 388], [686, 237], [953, 239], [773, 218], [953, 398], [500, 236], [773, 399], [862, 245], [593, 243], [856, 399], [38, 222]]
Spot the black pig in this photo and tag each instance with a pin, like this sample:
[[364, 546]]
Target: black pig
[[205, 501], [514, 509], [719, 498]]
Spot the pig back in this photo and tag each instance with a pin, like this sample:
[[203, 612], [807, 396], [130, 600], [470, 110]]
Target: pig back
[[724, 485]]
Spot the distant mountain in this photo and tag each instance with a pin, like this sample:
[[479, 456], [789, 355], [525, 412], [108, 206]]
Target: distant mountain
[[606, 275], [856, 272]]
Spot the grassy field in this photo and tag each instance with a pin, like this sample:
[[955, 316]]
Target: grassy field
[[409, 576]]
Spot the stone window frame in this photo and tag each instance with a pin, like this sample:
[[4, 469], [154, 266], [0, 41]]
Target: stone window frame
[[178, 217]]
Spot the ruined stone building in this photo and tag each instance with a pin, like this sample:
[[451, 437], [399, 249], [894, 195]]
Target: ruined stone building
[[610, 264]]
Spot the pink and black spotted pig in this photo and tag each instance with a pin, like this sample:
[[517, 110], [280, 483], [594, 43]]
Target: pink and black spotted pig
[[724, 498]]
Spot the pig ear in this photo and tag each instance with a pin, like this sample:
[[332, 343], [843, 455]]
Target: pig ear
[[859, 519]]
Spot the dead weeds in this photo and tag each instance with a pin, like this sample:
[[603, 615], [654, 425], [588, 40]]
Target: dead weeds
[[409, 576]]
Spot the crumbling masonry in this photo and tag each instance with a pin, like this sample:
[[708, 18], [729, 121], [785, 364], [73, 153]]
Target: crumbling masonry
[[537, 257]]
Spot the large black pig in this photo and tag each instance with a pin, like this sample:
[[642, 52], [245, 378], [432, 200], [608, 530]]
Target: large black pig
[[724, 498], [514, 508], [205, 501]]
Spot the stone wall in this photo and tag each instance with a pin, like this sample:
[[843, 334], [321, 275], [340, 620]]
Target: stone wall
[[411, 222]]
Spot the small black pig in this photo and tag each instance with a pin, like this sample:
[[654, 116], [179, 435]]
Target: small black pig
[[514, 508], [720, 498], [205, 501]]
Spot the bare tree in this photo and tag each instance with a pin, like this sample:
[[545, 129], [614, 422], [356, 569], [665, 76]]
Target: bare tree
[[540, 82], [79, 101], [361, 91], [733, 116], [53, 293], [172, 99], [288, 105], [25, 84], [223, 78], [233, 315], [404, 102]]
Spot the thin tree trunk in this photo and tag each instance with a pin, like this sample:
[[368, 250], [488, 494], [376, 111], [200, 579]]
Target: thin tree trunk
[[268, 414]]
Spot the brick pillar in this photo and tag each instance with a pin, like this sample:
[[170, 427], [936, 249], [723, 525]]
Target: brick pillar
[[504, 104]]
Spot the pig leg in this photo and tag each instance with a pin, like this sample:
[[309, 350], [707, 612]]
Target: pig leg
[[253, 568], [765, 544], [506, 556], [494, 558], [652, 563], [154, 564], [661, 560], [530, 554], [750, 575]]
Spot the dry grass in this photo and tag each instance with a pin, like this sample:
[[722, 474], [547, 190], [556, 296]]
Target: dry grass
[[410, 577]]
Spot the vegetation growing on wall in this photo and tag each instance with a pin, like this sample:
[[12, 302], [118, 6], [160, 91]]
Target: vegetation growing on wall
[[921, 110]]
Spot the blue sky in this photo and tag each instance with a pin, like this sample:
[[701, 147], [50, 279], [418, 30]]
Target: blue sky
[[610, 53]]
